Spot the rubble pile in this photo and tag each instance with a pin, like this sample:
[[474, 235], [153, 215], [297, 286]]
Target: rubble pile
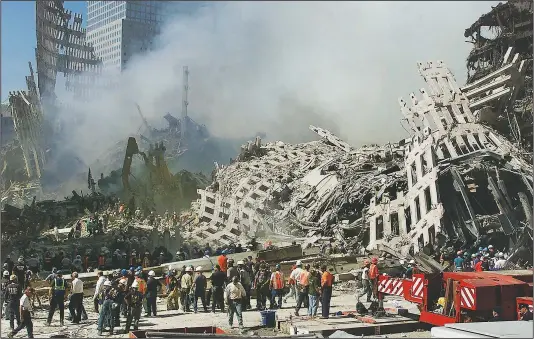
[[456, 182]]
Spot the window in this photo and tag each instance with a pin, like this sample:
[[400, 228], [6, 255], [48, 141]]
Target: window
[[417, 215], [428, 198], [394, 220], [408, 218], [379, 227]]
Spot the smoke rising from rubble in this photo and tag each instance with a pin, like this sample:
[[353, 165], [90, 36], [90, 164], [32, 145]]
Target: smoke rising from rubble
[[278, 67]]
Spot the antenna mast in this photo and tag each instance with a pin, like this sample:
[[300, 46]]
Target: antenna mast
[[185, 103]]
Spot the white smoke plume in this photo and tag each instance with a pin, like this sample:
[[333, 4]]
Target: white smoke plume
[[276, 67]]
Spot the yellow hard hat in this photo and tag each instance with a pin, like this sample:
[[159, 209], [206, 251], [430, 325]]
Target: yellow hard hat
[[441, 302]]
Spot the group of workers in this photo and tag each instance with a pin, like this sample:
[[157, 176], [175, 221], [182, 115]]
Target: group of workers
[[485, 259]]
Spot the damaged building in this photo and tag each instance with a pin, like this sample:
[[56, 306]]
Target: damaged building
[[456, 182]]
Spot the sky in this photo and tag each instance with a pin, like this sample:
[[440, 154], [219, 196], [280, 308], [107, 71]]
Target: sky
[[17, 49]]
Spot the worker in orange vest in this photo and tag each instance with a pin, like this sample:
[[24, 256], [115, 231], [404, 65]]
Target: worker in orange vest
[[303, 282], [327, 279], [277, 286], [373, 276], [222, 260]]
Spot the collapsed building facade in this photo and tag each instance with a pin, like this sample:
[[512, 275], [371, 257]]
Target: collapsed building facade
[[456, 182]]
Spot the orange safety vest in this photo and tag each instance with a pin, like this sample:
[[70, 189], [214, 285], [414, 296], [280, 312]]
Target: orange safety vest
[[142, 285], [223, 261], [327, 279], [277, 280], [373, 271], [304, 278]]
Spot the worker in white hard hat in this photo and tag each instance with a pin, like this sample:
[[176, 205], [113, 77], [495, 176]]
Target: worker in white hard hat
[[409, 270], [134, 305], [187, 284], [200, 285], [152, 286], [500, 262], [491, 251]]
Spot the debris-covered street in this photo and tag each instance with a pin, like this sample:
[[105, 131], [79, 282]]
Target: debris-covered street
[[313, 239]]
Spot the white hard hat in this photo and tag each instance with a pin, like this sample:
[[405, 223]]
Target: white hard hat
[[6, 273], [198, 269], [500, 255], [188, 269], [298, 263], [178, 252], [151, 273], [412, 261], [135, 284], [490, 246], [107, 283], [240, 262]]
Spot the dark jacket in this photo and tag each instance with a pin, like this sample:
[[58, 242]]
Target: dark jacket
[[152, 287], [218, 278]]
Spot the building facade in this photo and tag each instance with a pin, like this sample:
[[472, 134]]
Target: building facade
[[120, 29]]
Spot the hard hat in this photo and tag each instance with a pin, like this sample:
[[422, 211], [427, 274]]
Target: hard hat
[[132, 268], [459, 253], [412, 262], [139, 268], [490, 246], [298, 263], [137, 273], [198, 269], [374, 260], [178, 252], [480, 249], [240, 262], [278, 266], [441, 302], [13, 277], [151, 273], [6, 274], [188, 269], [107, 283], [485, 249], [124, 272], [500, 255], [21, 260]]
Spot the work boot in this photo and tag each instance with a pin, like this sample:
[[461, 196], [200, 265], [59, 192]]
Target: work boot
[[100, 333]]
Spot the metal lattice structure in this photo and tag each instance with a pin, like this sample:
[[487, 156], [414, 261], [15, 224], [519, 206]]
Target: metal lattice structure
[[62, 47]]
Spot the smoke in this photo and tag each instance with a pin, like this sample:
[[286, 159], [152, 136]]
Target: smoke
[[277, 67]]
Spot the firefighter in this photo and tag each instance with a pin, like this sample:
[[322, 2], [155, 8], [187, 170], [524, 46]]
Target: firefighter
[[20, 270], [373, 276], [11, 297], [276, 286], [134, 301], [173, 291]]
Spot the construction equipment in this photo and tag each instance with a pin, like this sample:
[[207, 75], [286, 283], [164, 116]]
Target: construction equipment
[[471, 295]]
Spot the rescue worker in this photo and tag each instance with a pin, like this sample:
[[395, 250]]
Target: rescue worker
[[327, 280], [98, 289], [134, 302], [218, 278], [366, 282], [261, 284], [20, 271], [199, 289], [5, 282], [410, 270], [234, 293], [11, 296], [142, 288], [222, 260], [291, 283], [172, 291], [373, 276], [459, 262], [314, 292], [244, 279], [276, 286], [187, 284], [76, 298], [231, 270], [303, 283], [59, 285], [152, 286], [500, 262], [104, 318], [25, 314], [524, 312], [485, 262]]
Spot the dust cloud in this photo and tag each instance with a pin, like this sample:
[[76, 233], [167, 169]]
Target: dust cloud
[[276, 67]]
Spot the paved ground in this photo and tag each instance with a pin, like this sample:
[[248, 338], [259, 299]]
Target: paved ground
[[173, 319]]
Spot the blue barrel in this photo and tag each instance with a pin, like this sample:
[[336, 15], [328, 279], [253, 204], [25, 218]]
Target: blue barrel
[[268, 318]]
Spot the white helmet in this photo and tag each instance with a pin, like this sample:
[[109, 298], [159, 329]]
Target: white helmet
[[178, 252], [135, 284], [298, 263], [490, 246], [412, 262], [198, 269], [107, 283], [500, 255], [188, 269], [240, 262], [151, 273], [6, 274]]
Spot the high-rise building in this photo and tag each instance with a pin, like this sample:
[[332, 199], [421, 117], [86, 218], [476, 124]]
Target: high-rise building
[[120, 29]]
